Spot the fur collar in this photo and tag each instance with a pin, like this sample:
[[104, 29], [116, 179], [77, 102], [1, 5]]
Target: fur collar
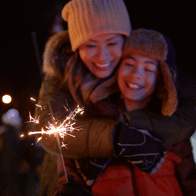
[[52, 51]]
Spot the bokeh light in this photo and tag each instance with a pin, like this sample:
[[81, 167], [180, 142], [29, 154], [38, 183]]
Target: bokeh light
[[6, 99]]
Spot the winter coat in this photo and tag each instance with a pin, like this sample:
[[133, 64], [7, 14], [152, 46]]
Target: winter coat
[[81, 87], [120, 178], [178, 169], [56, 54], [175, 177]]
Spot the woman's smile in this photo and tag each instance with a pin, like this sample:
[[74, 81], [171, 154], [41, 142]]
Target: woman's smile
[[102, 53]]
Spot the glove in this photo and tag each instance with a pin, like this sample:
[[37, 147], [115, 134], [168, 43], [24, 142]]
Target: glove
[[91, 168], [72, 188], [141, 148]]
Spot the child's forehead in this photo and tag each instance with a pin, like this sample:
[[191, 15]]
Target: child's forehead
[[140, 58]]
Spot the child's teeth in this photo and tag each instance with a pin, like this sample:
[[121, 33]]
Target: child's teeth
[[134, 86]]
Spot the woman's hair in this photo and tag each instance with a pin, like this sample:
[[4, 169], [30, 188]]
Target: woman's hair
[[75, 69], [76, 76]]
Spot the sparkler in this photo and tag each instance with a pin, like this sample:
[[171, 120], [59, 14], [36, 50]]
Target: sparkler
[[33, 99], [65, 128]]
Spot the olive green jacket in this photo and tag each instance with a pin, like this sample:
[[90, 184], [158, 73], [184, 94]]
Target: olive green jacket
[[95, 138]]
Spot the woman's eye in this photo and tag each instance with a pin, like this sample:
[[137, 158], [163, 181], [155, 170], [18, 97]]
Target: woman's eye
[[91, 46], [112, 44]]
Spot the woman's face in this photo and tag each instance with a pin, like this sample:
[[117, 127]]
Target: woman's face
[[102, 53], [137, 78]]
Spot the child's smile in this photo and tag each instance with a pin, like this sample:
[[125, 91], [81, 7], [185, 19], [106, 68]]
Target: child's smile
[[134, 86], [137, 78]]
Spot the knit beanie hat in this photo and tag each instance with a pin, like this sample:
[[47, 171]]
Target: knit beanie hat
[[89, 18], [152, 44]]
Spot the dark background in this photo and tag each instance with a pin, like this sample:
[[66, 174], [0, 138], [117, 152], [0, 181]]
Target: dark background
[[19, 70]]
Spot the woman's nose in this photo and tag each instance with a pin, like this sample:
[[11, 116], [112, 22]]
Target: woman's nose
[[102, 53]]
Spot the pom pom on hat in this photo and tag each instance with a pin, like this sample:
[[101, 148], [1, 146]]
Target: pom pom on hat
[[89, 18]]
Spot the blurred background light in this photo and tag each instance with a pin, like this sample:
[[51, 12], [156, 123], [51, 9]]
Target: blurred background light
[[6, 99]]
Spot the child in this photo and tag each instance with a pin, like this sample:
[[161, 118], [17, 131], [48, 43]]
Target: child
[[144, 80]]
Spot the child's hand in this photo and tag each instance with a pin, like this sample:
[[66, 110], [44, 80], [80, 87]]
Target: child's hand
[[141, 148], [91, 168], [149, 164]]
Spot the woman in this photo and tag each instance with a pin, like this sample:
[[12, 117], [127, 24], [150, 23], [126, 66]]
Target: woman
[[70, 78]]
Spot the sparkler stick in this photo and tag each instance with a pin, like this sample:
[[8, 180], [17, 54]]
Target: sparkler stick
[[37, 54]]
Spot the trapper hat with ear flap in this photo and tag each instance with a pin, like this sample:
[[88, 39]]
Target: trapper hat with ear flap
[[89, 18], [152, 44]]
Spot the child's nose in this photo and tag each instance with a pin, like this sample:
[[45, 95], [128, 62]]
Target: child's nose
[[138, 71]]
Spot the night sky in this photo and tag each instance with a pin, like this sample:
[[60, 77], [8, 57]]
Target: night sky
[[19, 70]]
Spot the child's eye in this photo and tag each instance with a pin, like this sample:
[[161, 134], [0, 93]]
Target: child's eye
[[150, 70], [129, 64]]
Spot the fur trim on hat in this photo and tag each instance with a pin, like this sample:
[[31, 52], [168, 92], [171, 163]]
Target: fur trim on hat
[[152, 44], [146, 42], [169, 97]]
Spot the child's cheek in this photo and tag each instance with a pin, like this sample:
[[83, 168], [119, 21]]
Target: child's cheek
[[126, 70], [153, 79]]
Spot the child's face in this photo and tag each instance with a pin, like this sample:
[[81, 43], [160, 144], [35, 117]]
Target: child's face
[[102, 53], [137, 78]]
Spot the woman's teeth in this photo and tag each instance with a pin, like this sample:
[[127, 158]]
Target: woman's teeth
[[133, 86], [102, 65]]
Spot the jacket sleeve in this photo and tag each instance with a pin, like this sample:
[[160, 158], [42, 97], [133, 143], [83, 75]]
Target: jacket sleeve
[[94, 137], [176, 128]]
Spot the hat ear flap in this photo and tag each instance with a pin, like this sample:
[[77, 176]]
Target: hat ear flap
[[168, 92]]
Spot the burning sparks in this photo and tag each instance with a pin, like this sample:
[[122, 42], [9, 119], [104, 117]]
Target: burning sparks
[[34, 120], [37, 105], [33, 99], [22, 135], [57, 129]]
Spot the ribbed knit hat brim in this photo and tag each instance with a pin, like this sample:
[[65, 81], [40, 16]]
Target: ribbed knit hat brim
[[89, 18]]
